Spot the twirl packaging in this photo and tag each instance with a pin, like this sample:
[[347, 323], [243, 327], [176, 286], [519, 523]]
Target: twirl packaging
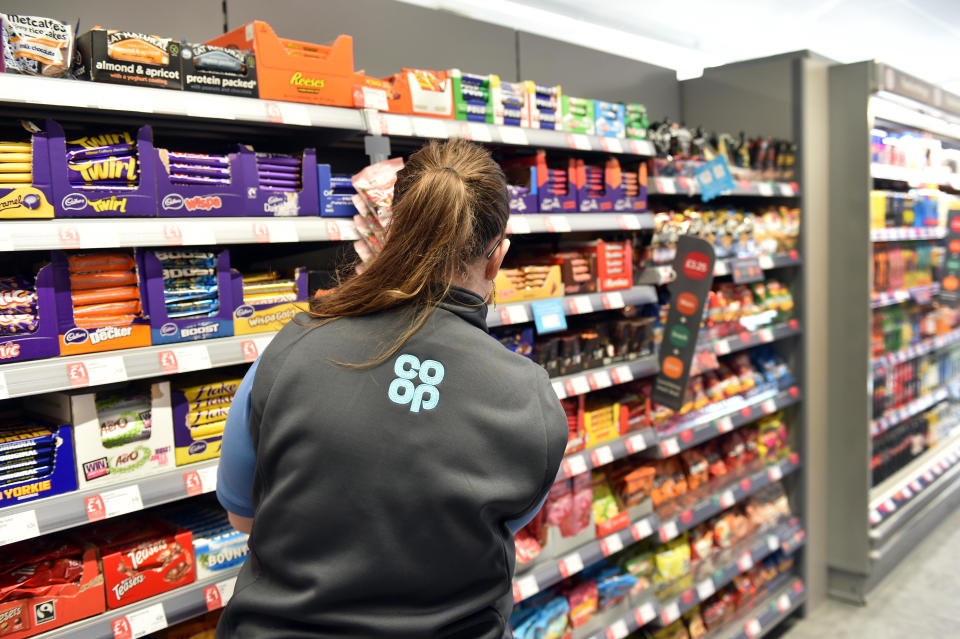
[[121, 433], [188, 294], [142, 558], [127, 57], [74, 587]]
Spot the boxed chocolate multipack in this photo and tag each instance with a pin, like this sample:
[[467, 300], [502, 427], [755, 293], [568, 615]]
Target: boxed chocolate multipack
[[266, 301], [200, 404], [211, 69], [36, 459], [120, 433], [128, 57]]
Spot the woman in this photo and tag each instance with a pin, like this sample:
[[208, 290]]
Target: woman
[[384, 448]]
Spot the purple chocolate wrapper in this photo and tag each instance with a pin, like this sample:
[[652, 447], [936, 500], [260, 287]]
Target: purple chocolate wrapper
[[198, 158], [116, 150], [279, 168], [201, 171], [280, 188], [16, 323], [273, 175], [109, 170], [18, 301], [278, 161], [15, 282], [292, 184], [178, 178]]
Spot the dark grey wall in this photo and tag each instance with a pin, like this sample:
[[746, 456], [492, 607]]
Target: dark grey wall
[[754, 96], [389, 35], [589, 73], [195, 20]]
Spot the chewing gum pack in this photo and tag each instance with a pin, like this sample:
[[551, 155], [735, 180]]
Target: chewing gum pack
[[127, 57]]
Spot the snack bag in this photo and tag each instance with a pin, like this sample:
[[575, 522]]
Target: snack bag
[[374, 201], [35, 46]]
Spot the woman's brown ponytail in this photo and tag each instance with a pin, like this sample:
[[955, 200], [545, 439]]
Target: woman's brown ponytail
[[450, 203]]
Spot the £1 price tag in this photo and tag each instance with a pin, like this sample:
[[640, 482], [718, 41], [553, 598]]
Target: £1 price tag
[[621, 374], [705, 589], [617, 630], [636, 443], [580, 304], [78, 375], [613, 300], [250, 351], [140, 623], [168, 362], [644, 614], [570, 564], [611, 544], [752, 628], [518, 225], [601, 456], [525, 587], [641, 530], [217, 595]]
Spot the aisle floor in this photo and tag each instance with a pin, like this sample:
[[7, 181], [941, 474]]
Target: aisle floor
[[918, 599]]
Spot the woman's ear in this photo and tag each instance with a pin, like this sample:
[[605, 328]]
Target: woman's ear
[[493, 264]]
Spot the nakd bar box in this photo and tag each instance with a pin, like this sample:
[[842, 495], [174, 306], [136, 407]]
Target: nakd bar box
[[142, 558]]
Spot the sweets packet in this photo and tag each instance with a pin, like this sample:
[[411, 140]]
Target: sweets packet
[[374, 201], [35, 45]]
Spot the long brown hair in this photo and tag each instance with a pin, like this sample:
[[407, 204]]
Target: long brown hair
[[450, 203]]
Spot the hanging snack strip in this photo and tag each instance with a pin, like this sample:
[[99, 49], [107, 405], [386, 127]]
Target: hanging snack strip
[[109, 159], [16, 164], [18, 306], [104, 289], [278, 172], [27, 452], [195, 168], [124, 419], [190, 284], [268, 288]]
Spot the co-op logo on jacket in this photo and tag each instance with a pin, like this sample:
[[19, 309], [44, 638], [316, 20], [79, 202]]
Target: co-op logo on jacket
[[403, 391]]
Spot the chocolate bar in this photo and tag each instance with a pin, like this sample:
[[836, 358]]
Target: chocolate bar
[[207, 416], [25, 436], [95, 262], [117, 150], [17, 323], [180, 178], [279, 160], [189, 293], [16, 157], [18, 301], [123, 419], [193, 307], [93, 280], [199, 158], [207, 391], [199, 170], [211, 402]]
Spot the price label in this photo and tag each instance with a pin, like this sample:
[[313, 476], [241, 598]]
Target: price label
[[786, 190], [889, 506], [617, 630], [279, 231], [250, 350], [478, 132], [666, 185], [94, 372], [639, 147], [766, 335], [721, 347], [69, 236], [579, 141], [295, 114], [140, 623], [905, 491], [513, 135], [773, 542], [721, 267], [611, 145], [917, 486], [644, 614], [636, 443], [217, 595], [574, 465], [875, 517], [765, 189], [559, 389], [752, 628], [194, 233], [527, 587], [670, 613], [705, 589], [601, 456], [669, 447], [580, 304], [668, 530], [613, 300], [18, 527], [578, 385], [429, 128], [641, 530], [727, 499], [745, 562], [4, 391], [766, 262], [621, 374], [514, 314], [202, 480], [629, 222], [557, 224], [115, 502], [783, 603], [769, 406], [724, 424], [518, 225], [600, 379], [397, 125], [570, 565]]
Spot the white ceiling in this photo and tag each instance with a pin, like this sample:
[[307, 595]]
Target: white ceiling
[[921, 37]]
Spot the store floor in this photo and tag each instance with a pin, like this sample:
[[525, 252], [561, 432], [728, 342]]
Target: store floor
[[918, 599]]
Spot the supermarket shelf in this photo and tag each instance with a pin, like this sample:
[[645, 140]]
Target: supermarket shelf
[[759, 549], [424, 127], [714, 425], [69, 510], [907, 233], [725, 496], [749, 339], [893, 417], [767, 614], [602, 454], [912, 525], [522, 312], [910, 483], [77, 371], [77, 233], [574, 222], [690, 186], [660, 275], [919, 349], [155, 613], [604, 376], [542, 576], [112, 98], [914, 177], [919, 294]]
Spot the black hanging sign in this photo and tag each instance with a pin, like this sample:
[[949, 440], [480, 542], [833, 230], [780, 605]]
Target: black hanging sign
[[688, 293]]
